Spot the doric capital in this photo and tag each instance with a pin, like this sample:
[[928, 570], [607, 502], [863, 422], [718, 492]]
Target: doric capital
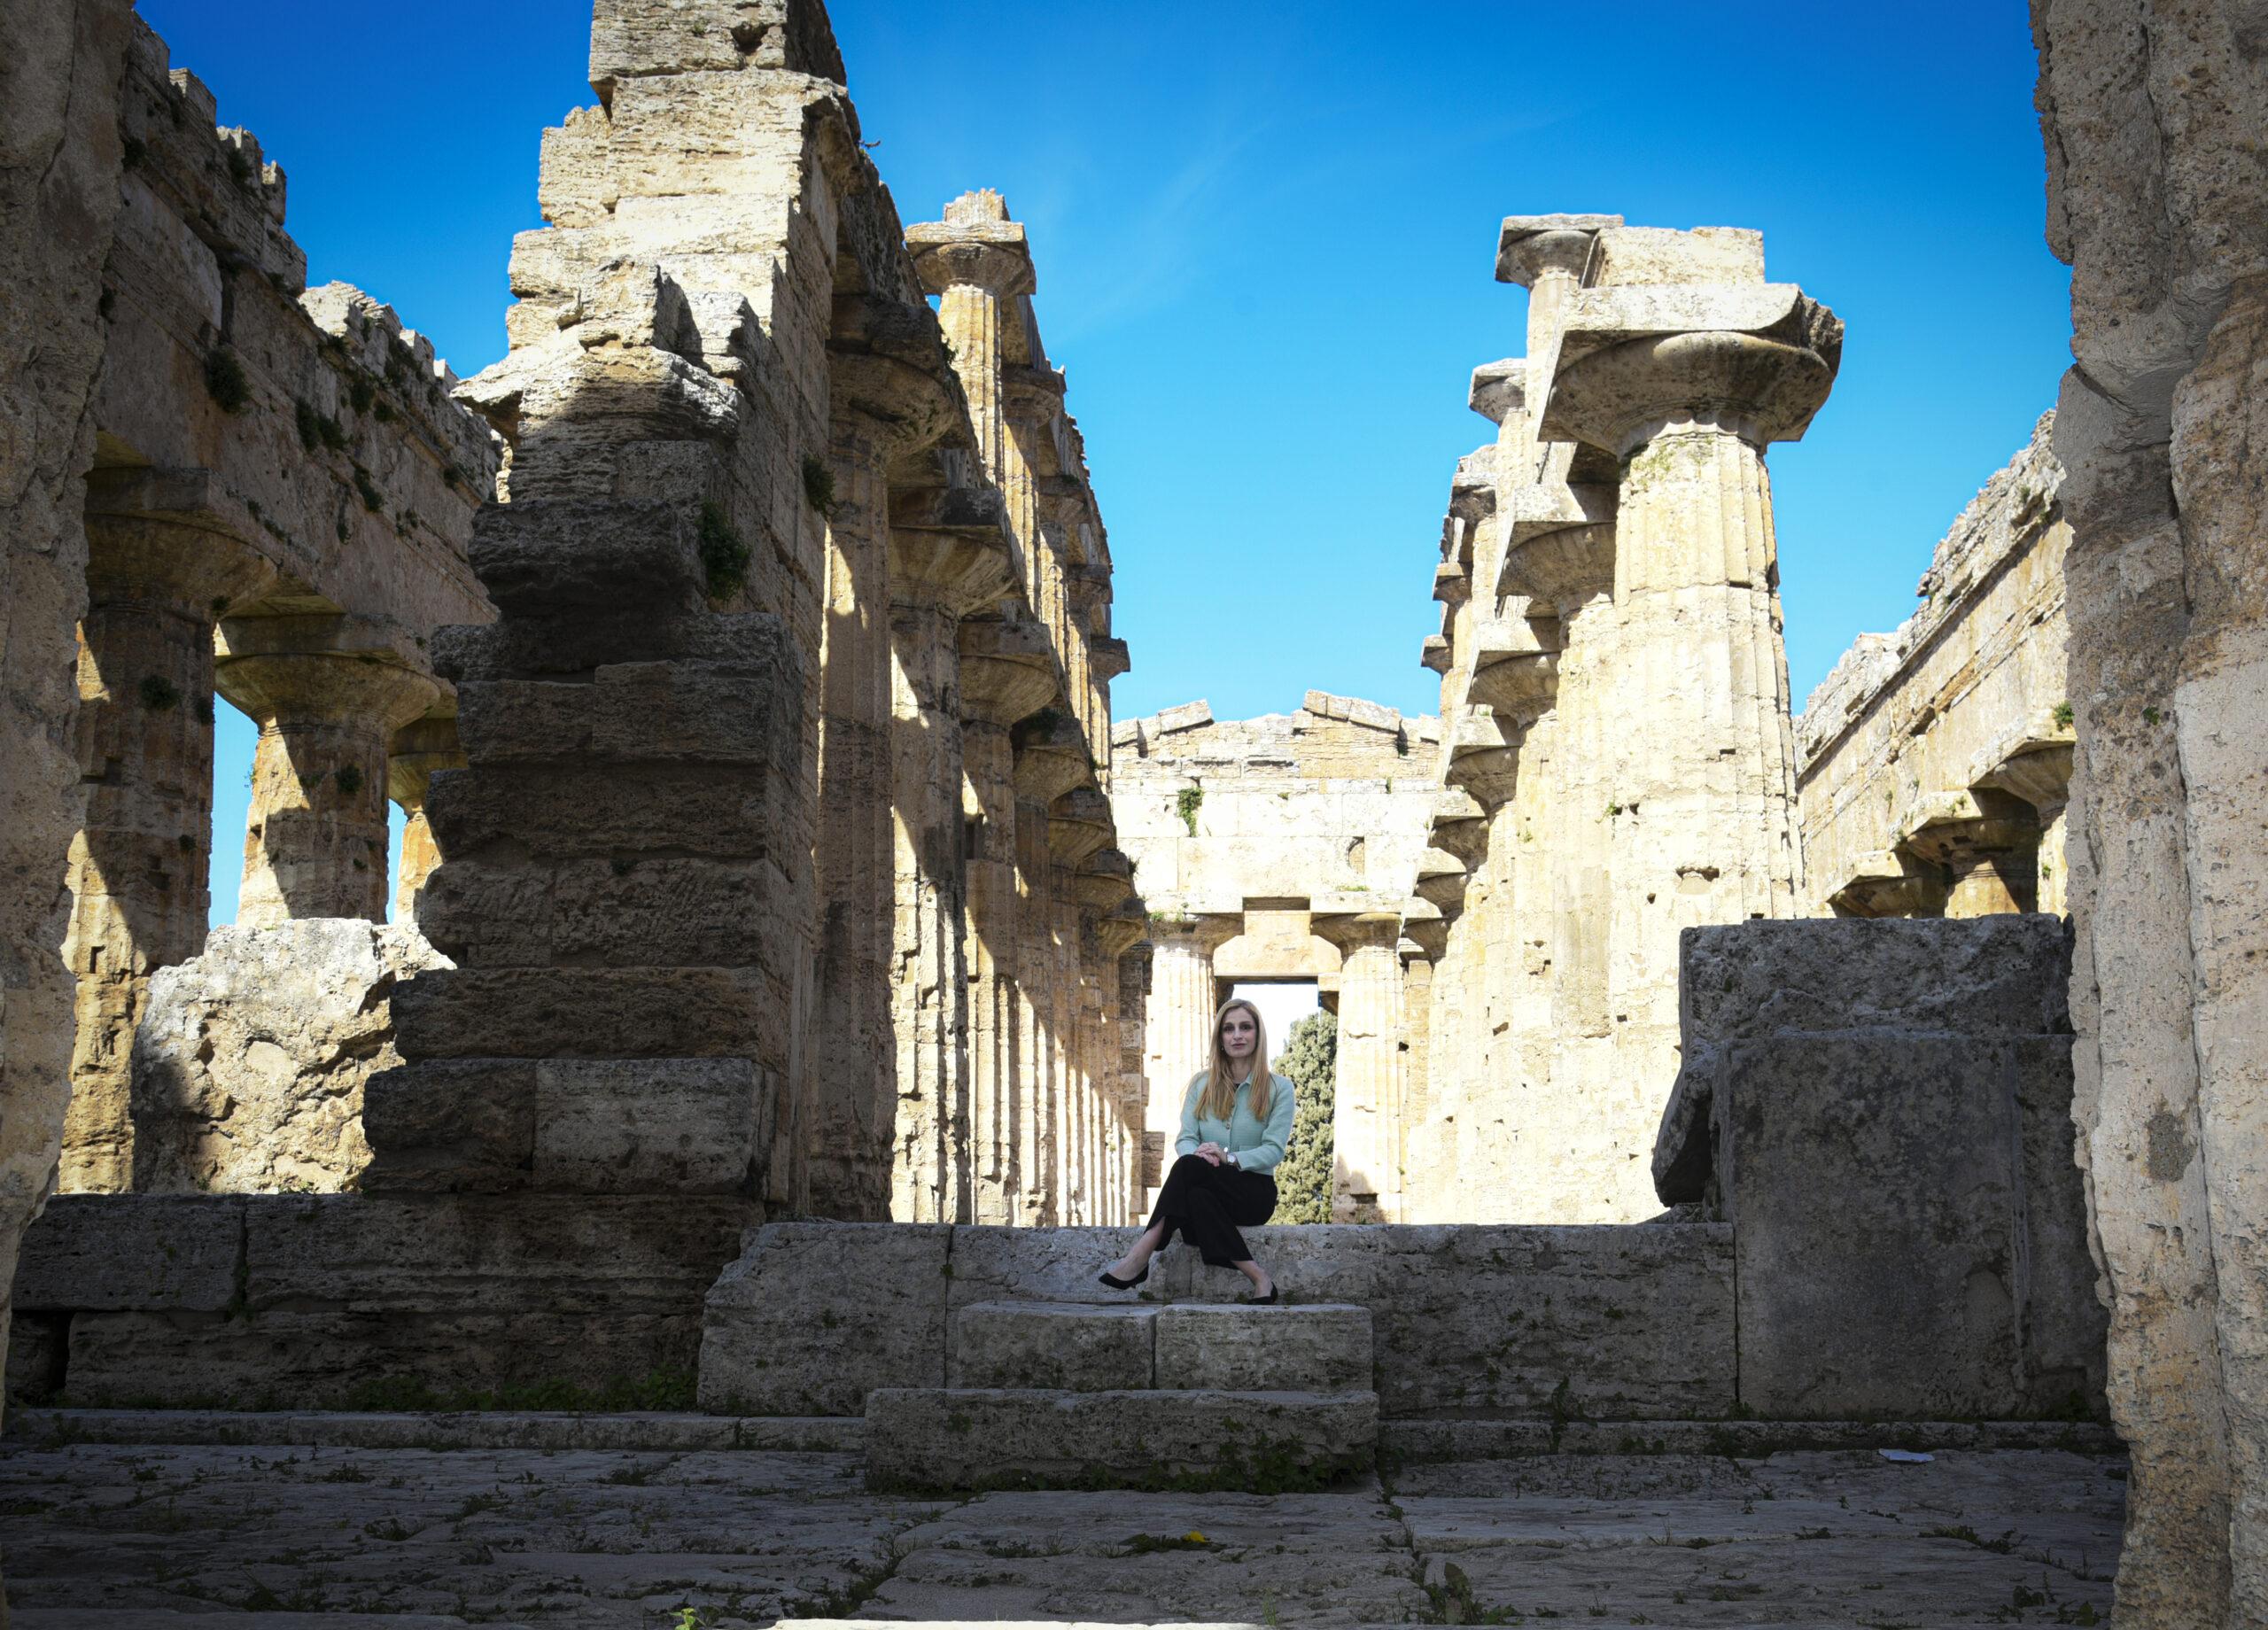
[[974, 247], [1437, 654], [1051, 756], [887, 364], [159, 536], [949, 547], [1032, 393], [1756, 360], [1360, 931], [1198, 933], [1499, 389], [1533, 246], [1007, 669], [1485, 755], [1104, 880], [1515, 666], [1953, 826], [1472, 490], [1441, 877], [1107, 658], [1423, 925], [1079, 827], [1559, 543], [1452, 583]]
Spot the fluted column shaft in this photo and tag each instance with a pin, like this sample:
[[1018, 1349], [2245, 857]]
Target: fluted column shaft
[[852, 1058], [1178, 1026], [998, 1063], [935, 1173], [139, 867], [1366, 1186]]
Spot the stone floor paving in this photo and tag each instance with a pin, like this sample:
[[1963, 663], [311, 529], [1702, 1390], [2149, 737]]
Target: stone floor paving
[[140, 1537]]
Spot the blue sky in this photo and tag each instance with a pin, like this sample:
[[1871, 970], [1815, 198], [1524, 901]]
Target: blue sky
[[1265, 236]]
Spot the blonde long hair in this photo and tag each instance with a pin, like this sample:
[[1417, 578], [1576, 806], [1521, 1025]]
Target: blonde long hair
[[1220, 1099]]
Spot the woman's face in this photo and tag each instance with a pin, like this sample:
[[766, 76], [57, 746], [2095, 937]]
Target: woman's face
[[1239, 1033]]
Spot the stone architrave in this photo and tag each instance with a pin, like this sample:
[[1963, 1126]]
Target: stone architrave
[[156, 581], [1685, 384]]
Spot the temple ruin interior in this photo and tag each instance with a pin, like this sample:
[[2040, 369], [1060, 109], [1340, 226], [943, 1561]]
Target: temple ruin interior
[[675, 1198]]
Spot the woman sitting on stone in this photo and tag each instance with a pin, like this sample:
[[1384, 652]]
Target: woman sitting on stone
[[1234, 1124]]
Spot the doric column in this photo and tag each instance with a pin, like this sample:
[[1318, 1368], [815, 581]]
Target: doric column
[[889, 396], [1178, 1030], [976, 260], [1366, 1182], [949, 558], [1007, 674], [419, 748], [1988, 845], [329, 693], [157, 577], [1686, 385], [1547, 254]]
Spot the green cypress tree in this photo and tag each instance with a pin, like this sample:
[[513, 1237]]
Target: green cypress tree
[[1310, 1058]]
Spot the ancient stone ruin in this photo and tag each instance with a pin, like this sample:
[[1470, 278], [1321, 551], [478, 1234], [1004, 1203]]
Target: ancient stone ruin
[[795, 971]]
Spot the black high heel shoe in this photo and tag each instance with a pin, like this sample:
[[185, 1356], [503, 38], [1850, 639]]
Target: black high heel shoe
[[1117, 1283], [1268, 1300]]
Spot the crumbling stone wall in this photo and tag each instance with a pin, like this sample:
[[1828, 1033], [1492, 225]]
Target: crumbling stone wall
[[1935, 761], [1282, 848], [2151, 111]]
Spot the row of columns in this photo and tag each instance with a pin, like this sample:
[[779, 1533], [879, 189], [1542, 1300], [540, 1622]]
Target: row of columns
[[340, 729], [1618, 757], [968, 1053]]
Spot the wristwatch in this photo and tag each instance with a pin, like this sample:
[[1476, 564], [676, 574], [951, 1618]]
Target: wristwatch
[[1230, 1155]]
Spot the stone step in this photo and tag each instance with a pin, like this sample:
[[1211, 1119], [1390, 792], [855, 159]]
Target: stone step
[[924, 1439], [1086, 1348]]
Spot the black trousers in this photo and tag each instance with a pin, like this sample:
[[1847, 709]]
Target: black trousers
[[1206, 1204]]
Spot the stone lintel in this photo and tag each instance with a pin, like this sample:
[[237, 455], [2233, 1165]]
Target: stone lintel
[[1529, 246]]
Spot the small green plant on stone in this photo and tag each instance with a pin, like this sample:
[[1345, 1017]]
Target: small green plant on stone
[[819, 484], [158, 693], [2063, 716], [723, 554], [225, 381], [349, 780], [1190, 801]]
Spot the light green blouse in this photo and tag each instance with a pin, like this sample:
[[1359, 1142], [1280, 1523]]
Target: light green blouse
[[1257, 1147]]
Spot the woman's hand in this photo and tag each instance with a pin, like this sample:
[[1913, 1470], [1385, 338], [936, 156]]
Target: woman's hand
[[1211, 1153]]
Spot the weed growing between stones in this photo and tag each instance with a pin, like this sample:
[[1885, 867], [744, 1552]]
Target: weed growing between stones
[[158, 693], [225, 380], [818, 485], [1190, 801], [723, 554]]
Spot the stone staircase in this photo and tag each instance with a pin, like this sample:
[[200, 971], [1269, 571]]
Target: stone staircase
[[1045, 1394]]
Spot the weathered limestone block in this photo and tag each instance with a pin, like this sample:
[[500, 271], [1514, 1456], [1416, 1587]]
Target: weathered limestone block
[[251, 1064], [921, 1438], [2154, 199], [635, 1013], [814, 1316], [1880, 1109], [1058, 1345], [1314, 1348], [1619, 1323], [337, 1301]]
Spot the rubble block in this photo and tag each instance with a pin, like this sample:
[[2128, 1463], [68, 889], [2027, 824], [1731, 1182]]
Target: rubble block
[[1320, 1348], [1056, 1346], [331, 1300], [1882, 1109], [930, 1438]]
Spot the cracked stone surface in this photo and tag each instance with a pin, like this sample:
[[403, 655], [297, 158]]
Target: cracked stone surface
[[140, 1537]]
